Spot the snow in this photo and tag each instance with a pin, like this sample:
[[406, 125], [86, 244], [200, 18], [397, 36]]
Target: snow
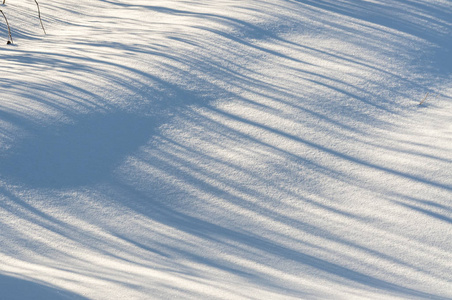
[[226, 150]]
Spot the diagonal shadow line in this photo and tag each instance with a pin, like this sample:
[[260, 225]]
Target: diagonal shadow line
[[229, 237], [331, 151], [427, 212]]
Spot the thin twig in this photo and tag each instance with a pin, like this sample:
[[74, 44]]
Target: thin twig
[[39, 15], [424, 99], [9, 30]]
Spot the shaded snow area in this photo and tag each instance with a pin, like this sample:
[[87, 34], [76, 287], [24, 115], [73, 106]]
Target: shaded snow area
[[255, 149]]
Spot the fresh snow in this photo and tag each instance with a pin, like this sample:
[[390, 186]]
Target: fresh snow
[[226, 149]]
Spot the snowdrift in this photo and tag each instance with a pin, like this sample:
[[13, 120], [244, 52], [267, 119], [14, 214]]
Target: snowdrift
[[226, 150]]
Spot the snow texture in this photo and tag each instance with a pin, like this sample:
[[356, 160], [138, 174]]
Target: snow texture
[[226, 149]]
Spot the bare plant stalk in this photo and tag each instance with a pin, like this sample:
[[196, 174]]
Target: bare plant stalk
[[424, 99], [39, 15], [4, 1], [9, 30]]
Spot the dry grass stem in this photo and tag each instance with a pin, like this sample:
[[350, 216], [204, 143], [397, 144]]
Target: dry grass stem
[[424, 99], [10, 40], [39, 15]]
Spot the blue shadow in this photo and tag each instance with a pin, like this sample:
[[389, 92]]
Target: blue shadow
[[12, 288], [76, 154]]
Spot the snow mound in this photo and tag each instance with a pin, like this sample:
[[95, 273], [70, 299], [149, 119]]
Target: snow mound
[[226, 150]]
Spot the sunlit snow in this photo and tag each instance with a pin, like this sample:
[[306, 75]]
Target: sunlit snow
[[226, 149]]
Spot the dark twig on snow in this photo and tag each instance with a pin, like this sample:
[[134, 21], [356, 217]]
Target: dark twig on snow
[[39, 15], [10, 41]]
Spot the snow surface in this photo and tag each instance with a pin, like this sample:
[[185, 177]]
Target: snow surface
[[248, 149]]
